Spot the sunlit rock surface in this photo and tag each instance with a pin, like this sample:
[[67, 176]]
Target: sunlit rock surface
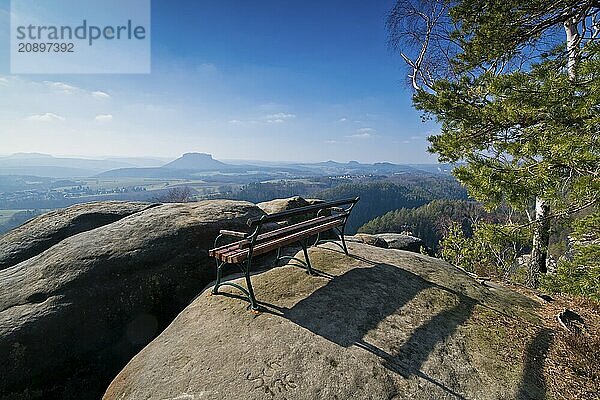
[[381, 324]]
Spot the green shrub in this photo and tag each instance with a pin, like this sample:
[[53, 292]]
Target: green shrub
[[581, 274], [493, 249]]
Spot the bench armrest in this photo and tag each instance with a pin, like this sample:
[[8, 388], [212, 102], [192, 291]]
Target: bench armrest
[[241, 235]]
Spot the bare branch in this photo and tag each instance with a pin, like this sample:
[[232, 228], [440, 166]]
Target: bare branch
[[420, 32]]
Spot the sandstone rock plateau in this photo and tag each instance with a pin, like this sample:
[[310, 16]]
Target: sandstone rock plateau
[[380, 324], [84, 289], [371, 240], [279, 205]]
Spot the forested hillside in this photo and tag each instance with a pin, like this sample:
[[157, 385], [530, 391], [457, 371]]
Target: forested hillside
[[258, 192], [379, 195], [432, 221], [378, 198]]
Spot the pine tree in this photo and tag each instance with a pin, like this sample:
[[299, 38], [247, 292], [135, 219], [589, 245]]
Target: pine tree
[[514, 86]]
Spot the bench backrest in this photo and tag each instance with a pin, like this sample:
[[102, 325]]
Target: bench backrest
[[282, 216]]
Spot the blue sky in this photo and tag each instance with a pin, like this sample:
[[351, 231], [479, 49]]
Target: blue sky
[[262, 80]]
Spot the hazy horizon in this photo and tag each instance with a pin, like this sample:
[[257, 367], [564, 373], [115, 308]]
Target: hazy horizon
[[171, 158]]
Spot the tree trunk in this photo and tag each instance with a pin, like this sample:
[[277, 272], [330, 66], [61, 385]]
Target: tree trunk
[[573, 41], [541, 238], [541, 232]]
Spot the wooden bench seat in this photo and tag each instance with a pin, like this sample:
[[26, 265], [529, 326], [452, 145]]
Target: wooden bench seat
[[241, 252]]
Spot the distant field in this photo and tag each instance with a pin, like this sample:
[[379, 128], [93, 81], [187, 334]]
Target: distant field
[[5, 215], [10, 219], [147, 183]]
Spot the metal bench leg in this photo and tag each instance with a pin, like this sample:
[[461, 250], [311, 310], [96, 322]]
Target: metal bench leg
[[318, 239], [253, 303], [215, 289], [341, 235], [343, 239], [306, 258], [248, 291]]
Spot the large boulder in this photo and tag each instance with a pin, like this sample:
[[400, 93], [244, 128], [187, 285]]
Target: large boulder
[[279, 205], [72, 316], [365, 238], [399, 241], [381, 324], [43, 232]]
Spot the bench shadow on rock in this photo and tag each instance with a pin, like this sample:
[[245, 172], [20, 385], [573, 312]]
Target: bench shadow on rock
[[533, 384], [350, 305]]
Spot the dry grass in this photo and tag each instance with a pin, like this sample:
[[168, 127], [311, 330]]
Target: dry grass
[[571, 369]]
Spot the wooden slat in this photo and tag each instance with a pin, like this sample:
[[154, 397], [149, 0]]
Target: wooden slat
[[224, 251], [299, 226], [227, 251], [238, 245], [241, 255]]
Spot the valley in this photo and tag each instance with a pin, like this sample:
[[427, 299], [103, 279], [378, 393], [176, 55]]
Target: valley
[[389, 186]]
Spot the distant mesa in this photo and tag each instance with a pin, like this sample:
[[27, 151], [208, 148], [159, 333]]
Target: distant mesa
[[190, 166], [182, 168], [195, 161], [28, 156]]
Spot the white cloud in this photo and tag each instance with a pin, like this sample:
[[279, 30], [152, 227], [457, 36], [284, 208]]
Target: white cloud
[[331, 141], [104, 117], [239, 122], [3, 81], [363, 133], [66, 88], [271, 106], [62, 87], [276, 118], [365, 130], [100, 95], [47, 117], [279, 118], [343, 120], [207, 67], [360, 136]]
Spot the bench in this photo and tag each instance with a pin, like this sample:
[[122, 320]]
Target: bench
[[318, 218]]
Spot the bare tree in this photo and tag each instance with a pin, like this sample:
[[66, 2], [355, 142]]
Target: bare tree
[[420, 31], [178, 194]]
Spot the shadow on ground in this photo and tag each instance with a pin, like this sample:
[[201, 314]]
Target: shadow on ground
[[325, 313], [533, 384]]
